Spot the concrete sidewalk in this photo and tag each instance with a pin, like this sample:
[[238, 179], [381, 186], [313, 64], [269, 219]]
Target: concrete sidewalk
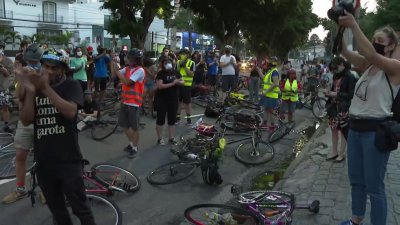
[[310, 177]]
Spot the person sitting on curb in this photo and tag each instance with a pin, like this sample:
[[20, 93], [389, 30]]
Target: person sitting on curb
[[90, 111]]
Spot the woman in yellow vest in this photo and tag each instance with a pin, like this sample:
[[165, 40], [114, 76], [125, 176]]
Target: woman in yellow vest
[[290, 94], [269, 99]]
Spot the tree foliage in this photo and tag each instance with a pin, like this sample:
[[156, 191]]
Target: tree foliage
[[133, 17]]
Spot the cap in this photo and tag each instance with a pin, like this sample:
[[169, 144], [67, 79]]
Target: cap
[[89, 49], [33, 53], [228, 47]]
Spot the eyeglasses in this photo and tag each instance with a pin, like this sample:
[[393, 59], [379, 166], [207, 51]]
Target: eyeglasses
[[360, 95]]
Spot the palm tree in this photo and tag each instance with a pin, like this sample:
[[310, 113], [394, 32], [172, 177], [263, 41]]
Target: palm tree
[[64, 38], [12, 36], [39, 38]]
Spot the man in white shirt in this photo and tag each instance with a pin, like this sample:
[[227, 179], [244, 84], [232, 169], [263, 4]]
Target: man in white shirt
[[227, 64]]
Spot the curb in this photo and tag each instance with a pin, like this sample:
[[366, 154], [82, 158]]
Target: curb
[[293, 165]]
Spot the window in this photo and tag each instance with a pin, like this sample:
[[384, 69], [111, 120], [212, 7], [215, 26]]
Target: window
[[2, 10], [49, 12]]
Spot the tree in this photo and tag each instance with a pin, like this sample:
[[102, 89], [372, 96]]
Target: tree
[[218, 18], [11, 37], [64, 38], [184, 20], [127, 22]]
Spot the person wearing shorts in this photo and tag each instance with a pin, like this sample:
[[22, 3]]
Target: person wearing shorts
[[186, 68], [132, 78], [23, 139], [168, 81], [290, 94], [212, 70], [228, 64], [102, 62]]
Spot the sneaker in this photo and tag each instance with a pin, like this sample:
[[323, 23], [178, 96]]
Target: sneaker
[[132, 153], [14, 196], [7, 129], [173, 141], [348, 222], [161, 142], [128, 148]]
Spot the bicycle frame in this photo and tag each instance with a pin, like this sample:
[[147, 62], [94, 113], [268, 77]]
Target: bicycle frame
[[89, 176]]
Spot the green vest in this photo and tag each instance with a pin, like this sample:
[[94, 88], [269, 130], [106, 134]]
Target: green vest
[[187, 80], [268, 83], [290, 91]]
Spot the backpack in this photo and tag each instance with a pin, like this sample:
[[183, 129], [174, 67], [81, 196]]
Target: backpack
[[396, 102]]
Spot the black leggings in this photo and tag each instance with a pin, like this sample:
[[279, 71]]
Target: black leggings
[[165, 108], [64, 179]]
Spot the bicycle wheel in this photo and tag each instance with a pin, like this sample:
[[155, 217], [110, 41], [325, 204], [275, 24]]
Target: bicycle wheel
[[105, 126], [172, 172], [270, 199], [105, 212], [254, 153], [279, 133], [318, 108], [109, 174], [8, 164], [207, 214]]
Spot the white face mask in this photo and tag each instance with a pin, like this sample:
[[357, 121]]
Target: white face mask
[[79, 54], [168, 66]]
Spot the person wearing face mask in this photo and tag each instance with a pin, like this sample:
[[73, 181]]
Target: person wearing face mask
[[23, 139], [90, 67], [166, 101], [78, 65], [228, 64], [370, 106], [6, 73], [338, 104], [51, 104], [133, 79]]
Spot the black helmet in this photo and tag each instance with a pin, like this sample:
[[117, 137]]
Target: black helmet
[[33, 53], [2, 44], [135, 53], [54, 56], [184, 51]]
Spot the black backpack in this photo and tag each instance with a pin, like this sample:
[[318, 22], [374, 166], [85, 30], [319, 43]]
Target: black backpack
[[396, 102]]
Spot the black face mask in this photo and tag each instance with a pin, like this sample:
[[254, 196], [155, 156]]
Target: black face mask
[[379, 48]]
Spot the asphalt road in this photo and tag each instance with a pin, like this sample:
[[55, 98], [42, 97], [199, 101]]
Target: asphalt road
[[156, 205]]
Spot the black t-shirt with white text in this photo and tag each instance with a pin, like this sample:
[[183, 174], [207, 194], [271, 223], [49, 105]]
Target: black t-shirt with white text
[[171, 93], [56, 137]]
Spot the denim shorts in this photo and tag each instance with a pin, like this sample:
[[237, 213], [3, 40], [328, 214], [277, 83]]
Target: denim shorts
[[268, 103], [289, 106]]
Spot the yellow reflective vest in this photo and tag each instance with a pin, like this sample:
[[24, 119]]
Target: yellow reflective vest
[[267, 84], [187, 80], [290, 91]]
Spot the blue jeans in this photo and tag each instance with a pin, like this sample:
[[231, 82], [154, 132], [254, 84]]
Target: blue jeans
[[367, 168], [253, 88]]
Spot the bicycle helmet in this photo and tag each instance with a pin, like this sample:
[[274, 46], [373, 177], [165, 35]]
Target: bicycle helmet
[[135, 53], [54, 56], [206, 130], [33, 53], [89, 49]]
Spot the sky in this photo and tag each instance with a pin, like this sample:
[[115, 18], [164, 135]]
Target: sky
[[320, 7]]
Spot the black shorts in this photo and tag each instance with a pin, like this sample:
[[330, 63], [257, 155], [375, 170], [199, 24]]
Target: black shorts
[[185, 94], [100, 83], [211, 79], [228, 82]]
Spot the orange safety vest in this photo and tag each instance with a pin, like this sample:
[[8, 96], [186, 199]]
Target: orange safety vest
[[133, 94]]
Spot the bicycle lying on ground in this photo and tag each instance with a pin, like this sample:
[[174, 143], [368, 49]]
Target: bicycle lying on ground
[[256, 208], [8, 157], [101, 180]]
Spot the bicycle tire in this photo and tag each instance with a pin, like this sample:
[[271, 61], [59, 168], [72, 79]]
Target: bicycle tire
[[247, 154], [186, 169], [105, 126], [220, 214], [8, 165], [109, 174], [279, 133], [318, 108]]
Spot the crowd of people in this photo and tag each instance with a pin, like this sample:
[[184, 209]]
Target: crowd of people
[[54, 90]]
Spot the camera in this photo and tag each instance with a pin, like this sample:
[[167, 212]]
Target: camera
[[338, 10]]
